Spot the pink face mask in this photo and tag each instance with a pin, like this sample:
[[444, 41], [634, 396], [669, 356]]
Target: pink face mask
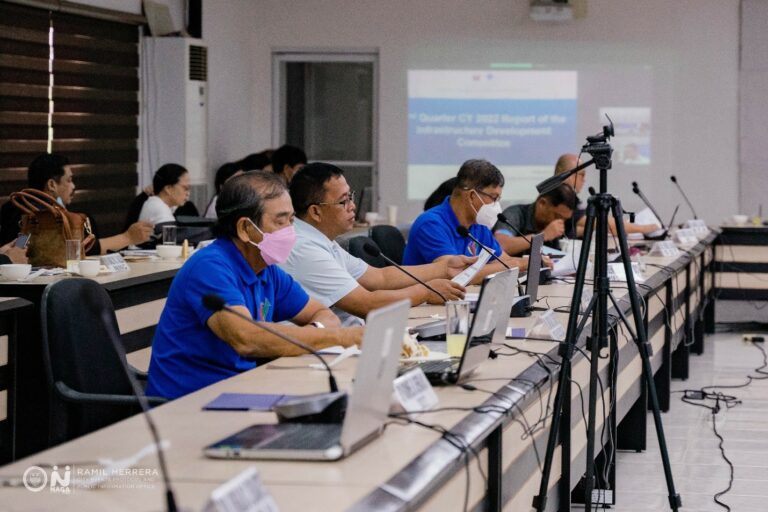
[[275, 247]]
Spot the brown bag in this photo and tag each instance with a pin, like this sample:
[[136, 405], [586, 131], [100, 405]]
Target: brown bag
[[50, 225]]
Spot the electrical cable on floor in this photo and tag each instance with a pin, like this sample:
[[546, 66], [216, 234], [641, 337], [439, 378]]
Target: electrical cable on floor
[[699, 398]]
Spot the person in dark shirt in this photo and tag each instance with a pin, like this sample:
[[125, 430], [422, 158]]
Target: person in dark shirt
[[440, 193], [574, 227], [287, 160], [51, 173], [546, 215]]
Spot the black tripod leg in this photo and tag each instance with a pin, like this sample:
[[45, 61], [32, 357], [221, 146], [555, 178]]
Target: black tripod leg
[[561, 423], [645, 355], [602, 291]]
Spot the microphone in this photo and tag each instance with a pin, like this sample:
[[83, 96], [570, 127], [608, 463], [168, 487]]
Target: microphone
[[461, 230], [674, 180], [373, 251], [639, 192], [592, 191], [215, 303], [114, 337], [504, 220]]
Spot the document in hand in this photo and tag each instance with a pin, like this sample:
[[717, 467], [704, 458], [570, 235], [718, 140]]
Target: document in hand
[[470, 272]]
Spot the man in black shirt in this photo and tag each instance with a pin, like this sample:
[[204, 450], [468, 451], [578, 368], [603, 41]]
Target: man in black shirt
[[546, 215]]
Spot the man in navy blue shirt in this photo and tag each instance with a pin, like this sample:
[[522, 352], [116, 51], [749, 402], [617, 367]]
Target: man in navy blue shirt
[[474, 204], [193, 346]]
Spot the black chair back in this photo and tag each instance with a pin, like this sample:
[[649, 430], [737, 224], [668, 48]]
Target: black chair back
[[390, 240], [78, 326], [134, 210], [356, 249]]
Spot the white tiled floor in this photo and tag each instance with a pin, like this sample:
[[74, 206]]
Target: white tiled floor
[[698, 468]]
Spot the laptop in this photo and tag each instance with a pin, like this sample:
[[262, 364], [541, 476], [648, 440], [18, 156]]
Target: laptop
[[534, 268], [492, 314], [367, 408]]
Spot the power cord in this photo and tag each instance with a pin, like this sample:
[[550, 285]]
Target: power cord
[[715, 402]]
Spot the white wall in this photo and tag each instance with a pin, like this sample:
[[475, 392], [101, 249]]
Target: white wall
[[753, 82], [692, 46]]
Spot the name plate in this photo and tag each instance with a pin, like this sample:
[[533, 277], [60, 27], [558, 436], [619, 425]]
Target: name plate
[[698, 226], [115, 263], [616, 272], [685, 237], [667, 249], [243, 493], [547, 326], [414, 392]]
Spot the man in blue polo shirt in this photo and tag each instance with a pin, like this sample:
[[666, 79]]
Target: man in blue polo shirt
[[474, 204], [193, 346]]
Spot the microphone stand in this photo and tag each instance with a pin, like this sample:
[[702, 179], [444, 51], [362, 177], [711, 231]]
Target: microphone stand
[[674, 180], [216, 303], [114, 337], [375, 252]]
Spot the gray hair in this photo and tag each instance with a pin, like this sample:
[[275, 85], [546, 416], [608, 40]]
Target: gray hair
[[244, 196]]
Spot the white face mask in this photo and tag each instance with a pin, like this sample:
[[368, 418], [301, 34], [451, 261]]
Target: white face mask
[[488, 214], [60, 201]]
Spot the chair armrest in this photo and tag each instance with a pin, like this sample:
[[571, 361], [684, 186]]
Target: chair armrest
[[74, 396]]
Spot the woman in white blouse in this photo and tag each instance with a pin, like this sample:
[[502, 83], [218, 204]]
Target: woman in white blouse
[[171, 186]]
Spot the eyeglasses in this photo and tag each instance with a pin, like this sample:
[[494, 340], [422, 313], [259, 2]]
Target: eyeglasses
[[486, 194], [345, 203]]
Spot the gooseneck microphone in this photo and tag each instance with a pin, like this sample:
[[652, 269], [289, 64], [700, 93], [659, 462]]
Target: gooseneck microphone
[[114, 337], [373, 251], [462, 231], [215, 303], [674, 180], [506, 222], [639, 192]]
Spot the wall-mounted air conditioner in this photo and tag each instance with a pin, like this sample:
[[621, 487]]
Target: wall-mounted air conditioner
[[174, 121]]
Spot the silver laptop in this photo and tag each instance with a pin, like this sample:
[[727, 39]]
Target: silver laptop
[[492, 313], [367, 408]]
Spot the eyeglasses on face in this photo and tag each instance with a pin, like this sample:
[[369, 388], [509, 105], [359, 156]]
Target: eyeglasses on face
[[492, 197], [344, 203]]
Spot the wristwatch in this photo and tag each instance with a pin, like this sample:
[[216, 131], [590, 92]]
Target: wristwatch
[[317, 324]]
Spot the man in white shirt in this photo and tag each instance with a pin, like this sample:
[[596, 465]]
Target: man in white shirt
[[325, 209]]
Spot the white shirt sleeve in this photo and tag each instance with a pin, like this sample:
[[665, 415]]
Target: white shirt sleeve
[[323, 278], [354, 265], [156, 211], [210, 213]]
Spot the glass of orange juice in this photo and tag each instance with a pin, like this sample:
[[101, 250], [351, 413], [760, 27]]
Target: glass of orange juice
[[456, 326]]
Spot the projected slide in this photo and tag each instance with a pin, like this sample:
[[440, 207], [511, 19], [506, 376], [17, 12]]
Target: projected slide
[[632, 142], [519, 120]]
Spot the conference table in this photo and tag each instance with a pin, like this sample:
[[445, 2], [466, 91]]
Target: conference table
[[138, 296], [741, 269], [410, 466]]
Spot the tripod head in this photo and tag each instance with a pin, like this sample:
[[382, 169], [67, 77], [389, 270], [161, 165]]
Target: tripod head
[[598, 147]]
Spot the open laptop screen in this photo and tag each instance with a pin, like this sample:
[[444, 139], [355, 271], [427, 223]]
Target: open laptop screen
[[534, 268]]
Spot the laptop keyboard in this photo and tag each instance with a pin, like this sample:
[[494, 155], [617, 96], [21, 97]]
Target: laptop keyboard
[[306, 436], [441, 366]]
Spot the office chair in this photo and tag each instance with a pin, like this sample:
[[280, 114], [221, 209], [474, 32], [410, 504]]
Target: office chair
[[88, 388], [356, 249], [390, 240], [134, 210]]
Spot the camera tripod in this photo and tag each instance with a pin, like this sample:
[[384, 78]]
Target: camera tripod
[[598, 209]]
